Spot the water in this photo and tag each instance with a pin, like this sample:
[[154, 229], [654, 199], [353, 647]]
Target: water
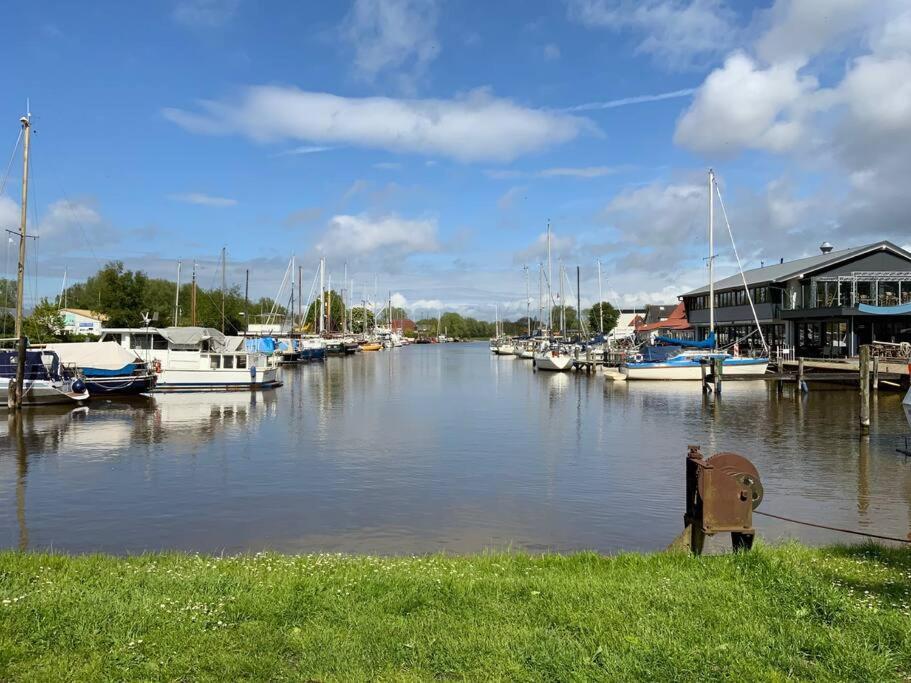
[[440, 447]]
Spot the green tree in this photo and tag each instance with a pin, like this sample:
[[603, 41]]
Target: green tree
[[114, 291], [571, 318], [359, 316], [397, 314], [611, 316], [45, 324], [335, 307]]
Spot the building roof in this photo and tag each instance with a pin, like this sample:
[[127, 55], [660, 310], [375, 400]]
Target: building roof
[[675, 321], [657, 312], [780, 272], [85, 313]]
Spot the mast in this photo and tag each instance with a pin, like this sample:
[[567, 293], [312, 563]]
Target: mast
[[193, 297], [292, 295], [562, 302], [345, 301], [329, 306], [578, 300], [223, 287], [246, 300], [14, 398], [550, 294], [711, 251], [177, 298], [61, 300], [496, 323], [600, 302], [300, 299], [527, 301], [540, 294], [322, 294]]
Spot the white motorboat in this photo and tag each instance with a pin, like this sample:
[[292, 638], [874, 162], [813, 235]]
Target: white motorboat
[[506, 348], [197, 358], [687, 365], [44, 383]]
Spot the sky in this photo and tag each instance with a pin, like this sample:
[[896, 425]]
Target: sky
[[426, 143]]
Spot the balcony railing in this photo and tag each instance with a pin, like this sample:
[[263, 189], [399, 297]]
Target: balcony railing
[[874, 288]]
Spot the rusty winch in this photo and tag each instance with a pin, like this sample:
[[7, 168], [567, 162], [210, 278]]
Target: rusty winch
[[721, 493]]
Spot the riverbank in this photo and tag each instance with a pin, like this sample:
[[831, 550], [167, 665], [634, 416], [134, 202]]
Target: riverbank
[[840, 612]]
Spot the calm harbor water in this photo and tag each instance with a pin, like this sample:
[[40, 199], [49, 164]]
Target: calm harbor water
[[430, 448]]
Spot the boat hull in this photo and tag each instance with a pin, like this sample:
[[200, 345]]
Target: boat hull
[[506, 350], [552, 363], [41, 393], [220, 380], [123, 385], [691, 371]]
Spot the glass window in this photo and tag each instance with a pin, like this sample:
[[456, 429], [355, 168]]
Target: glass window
[[213, 362], [229, 362], [888, 294], [159, 342], [140, 341], [864, 293], [241, 362]]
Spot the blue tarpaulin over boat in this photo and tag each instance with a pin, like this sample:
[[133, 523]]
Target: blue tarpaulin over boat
[[707, 343], [260, 344], [904, 309]]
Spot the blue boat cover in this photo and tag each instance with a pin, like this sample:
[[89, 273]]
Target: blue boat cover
[[707, 343], [99, 372], [904, 309], [260, 345]]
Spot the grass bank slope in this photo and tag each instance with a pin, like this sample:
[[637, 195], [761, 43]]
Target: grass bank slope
[[835, 613]]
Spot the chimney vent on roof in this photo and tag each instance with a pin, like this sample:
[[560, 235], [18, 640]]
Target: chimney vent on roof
[[825, 247]]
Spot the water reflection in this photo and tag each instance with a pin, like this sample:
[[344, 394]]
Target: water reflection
[[441, 447]]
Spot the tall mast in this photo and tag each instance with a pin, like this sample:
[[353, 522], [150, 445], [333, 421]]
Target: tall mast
[[293, 274], [578, 299], [177, 298], [562, 302], [300, 298], [14, 399], [540, 294], [600, 301], [247, 300], [322, 294], [329, 306], [711, 251], [193, 297], [345, 301], [550, 294], [527, 301], [223, 288]]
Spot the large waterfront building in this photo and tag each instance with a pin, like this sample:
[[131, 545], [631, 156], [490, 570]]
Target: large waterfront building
[[820, 306]]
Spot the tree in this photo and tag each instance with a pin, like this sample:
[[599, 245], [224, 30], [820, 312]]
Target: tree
[[362, 320], [45, 324], [115, 292], [335, 307], [611, 316], [397, 314], [571, 318]]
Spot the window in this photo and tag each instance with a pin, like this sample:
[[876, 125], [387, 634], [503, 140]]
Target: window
[[241, 362], [159, 342], [140, 341], [213, 362], [228, 362]]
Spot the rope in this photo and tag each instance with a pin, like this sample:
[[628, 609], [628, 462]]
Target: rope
[[9, 166], [833, 528], [740, 266], [742, 339]]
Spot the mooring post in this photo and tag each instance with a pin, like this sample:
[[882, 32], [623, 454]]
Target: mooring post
[[801, 384], [705, 381], [717, 365], [875, 373], [864, 389]]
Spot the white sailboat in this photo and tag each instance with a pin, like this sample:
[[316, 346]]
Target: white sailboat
[[551, 355], [687, 365]]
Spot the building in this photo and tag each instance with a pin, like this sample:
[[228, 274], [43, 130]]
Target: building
[[404, 327], [82, 321], [666, 323], [820, 306]]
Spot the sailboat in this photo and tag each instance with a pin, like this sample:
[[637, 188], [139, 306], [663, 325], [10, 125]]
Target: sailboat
[[30, 377], [687, 363], [552, 355]]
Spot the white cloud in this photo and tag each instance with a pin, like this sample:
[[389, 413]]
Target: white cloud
[[473, 127], [9, 214], [561, 246], [389, 35], [204, 13], [626, 101], [360, 235], [551, 52], [387, 165], [202, 199], [677, 33], [878, 93], [304, 149], [742, 105], [799, 29], [576, 172]]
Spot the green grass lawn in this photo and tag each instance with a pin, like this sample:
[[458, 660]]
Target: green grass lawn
[[837, 613]]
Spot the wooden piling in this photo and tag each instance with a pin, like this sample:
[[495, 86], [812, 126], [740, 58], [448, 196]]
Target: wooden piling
[[717, 365], [801, 384], [875, 373], [865, 389], [705, 382]]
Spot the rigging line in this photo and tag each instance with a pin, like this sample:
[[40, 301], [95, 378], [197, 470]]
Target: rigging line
[[12, 157], [724, 213], [832, 528]]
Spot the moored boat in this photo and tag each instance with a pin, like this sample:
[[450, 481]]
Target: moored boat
[[106, 367], [554, 358], [45, 382]]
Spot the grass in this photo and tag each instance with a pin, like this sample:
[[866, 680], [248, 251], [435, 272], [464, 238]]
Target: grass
[[841, 613]]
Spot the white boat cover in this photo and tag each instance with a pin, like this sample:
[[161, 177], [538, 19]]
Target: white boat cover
[[191, 336], [99, 355]]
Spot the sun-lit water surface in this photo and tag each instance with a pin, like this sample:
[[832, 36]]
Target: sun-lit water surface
[[431, 448]]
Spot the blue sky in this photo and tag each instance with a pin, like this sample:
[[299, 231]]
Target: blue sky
[[426, 143]]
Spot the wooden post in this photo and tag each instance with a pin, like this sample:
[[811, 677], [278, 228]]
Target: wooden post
[[865, 389], [875, 373], [801, 384], [705, 380], [717, 371]]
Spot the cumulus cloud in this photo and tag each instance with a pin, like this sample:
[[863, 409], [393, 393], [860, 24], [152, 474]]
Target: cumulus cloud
[[676, 33], [389, 35], [476, 126], [561, 246], [394, 236], [202, 199], [9, 214], [743, 105], [584, 172], [799, 29]]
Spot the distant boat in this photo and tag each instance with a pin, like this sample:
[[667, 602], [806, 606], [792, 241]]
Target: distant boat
[[45, 382], [371, 346], [555, 358], [107, 368]]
